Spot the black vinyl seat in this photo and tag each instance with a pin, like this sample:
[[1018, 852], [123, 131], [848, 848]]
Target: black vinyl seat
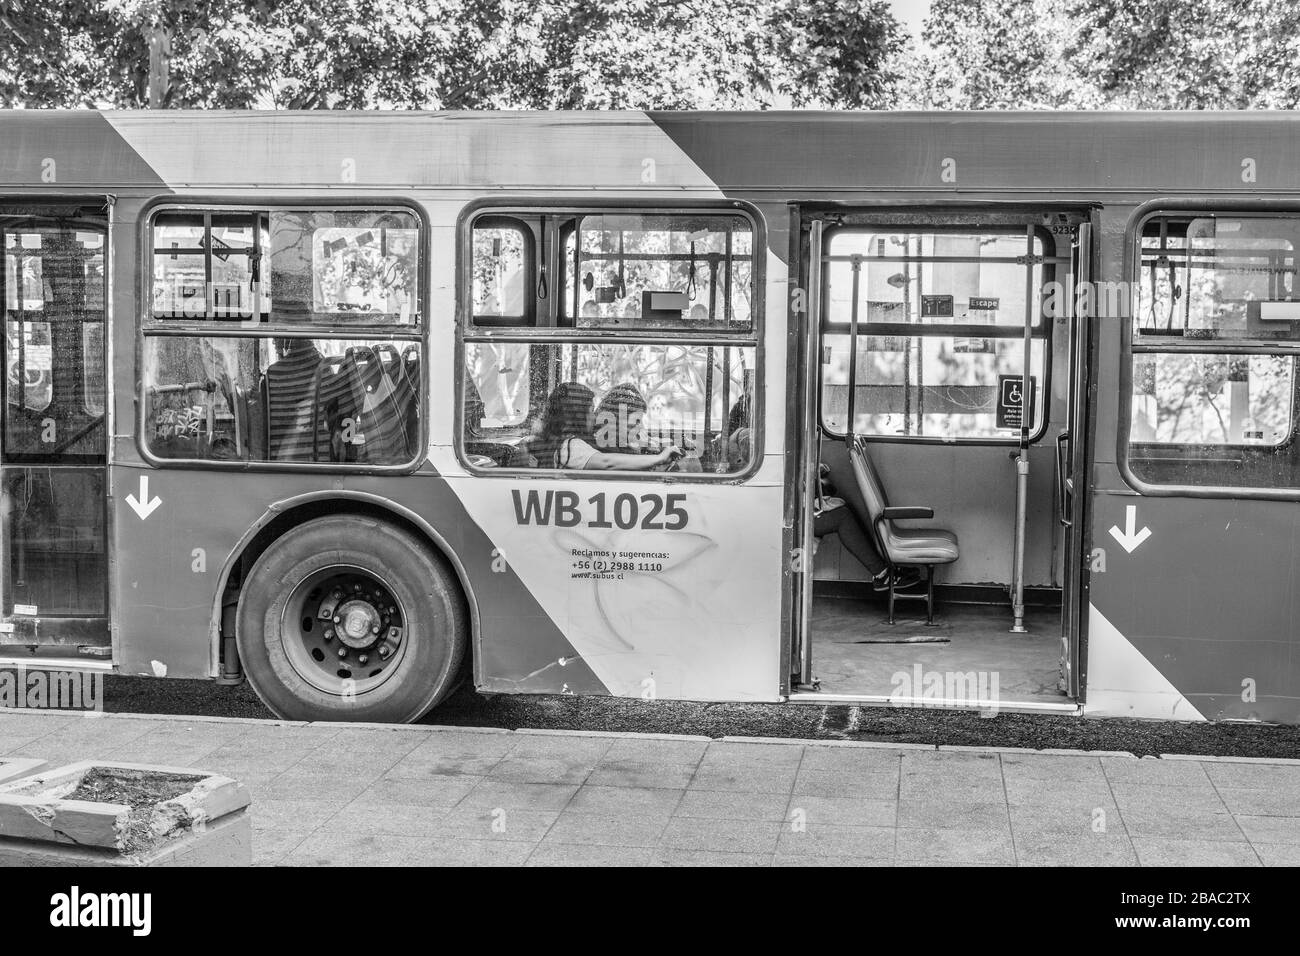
[[901, 547]]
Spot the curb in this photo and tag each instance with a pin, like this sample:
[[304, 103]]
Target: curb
[[616, 735]]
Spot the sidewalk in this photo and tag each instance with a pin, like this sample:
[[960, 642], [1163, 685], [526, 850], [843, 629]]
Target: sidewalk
[[328, 794]]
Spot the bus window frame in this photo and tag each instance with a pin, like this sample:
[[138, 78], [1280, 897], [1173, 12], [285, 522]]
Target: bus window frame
[[1137, 221], [147, 326], [752, 337], [1041, 332]]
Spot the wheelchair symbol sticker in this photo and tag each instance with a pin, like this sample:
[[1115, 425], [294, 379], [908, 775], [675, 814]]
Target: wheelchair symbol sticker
[[1011, 401]]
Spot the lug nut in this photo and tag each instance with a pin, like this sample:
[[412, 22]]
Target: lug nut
[[375, 629], [336, 594], [343, 652], [329, 634], [337, 619], [362, 658], [383, 651]]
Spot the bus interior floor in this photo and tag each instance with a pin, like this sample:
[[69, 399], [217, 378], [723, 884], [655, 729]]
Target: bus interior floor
[[856, 651]]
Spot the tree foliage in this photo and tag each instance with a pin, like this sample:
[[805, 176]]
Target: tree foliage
[[452, 54]]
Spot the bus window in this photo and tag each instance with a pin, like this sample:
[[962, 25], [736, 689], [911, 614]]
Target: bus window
[[941, 318], [1215, 330], [546, 406], [503, 270], [326, 401], [306, 266], [653, 271]]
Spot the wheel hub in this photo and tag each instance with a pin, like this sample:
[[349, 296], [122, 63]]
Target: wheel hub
[[358, 623]]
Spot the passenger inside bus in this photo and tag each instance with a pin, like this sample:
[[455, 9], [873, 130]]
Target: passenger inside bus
[[567, 439], [832, 515], [289, 395]]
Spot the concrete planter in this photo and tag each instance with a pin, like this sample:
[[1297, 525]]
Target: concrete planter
[[98, 813], [11, 768]]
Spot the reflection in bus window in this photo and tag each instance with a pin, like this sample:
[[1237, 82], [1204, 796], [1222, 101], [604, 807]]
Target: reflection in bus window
[[645, 400], [282, 400], [502, 286], [643, 271], [305, 266]]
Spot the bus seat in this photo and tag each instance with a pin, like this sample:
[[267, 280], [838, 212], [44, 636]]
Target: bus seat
[[901, 547]]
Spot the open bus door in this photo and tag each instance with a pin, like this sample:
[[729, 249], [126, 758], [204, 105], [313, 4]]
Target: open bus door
[[1073, 451], [54, 582]]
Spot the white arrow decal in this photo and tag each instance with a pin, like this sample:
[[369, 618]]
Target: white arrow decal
[[142, 505], [1130, 537]]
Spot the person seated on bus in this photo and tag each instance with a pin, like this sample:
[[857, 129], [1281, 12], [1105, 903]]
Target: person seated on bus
[[290, 384], [620, 429], [739, 435], [832, 515], [566, 438]]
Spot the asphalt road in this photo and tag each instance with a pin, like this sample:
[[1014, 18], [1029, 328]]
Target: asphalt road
[[807, 721]]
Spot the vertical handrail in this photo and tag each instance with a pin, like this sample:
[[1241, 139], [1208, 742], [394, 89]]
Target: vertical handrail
[[808, 485], [850, 427], [1022, 460]]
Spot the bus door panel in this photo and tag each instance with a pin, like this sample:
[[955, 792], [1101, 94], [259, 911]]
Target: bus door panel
[[53, 589]]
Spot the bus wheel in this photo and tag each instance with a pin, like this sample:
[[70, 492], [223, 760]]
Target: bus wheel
[[350, 618]]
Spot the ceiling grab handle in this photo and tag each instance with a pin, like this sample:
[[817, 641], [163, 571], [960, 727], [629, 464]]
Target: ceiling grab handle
[[1022, 460]]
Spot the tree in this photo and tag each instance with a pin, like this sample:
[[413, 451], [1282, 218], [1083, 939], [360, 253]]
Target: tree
[[452, 54], [1107, 54]]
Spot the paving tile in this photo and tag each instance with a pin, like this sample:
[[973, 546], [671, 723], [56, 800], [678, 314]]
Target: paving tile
[[769, 755], [799, 859], [326, 848], [844, 811], [944, 845], [651, 750], [453, 754], [829, 840], [1158, 798], [1178, 825], [490, 793], [725, 836], [271, 846], [950, 765], [955, 789], [1154, 771], [947, 814], [1262, 803], [574, 854], [1053, 767], [1065, 822], [443, 851], [1033, 791], [307, 815], [852, 759], [339, 787], [590, 828], [543, 769], [1268, 829], [441, 791], [501, 823], [633, 773], [771, 778], [1165, 852], [667, 856], [1078, 849], [1260, 776], [395, 819], [835, 783], [732, 805], [625, 801], [1279, 854]]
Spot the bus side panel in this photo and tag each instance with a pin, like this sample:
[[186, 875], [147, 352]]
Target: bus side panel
[[170, 564], [1199, 620]]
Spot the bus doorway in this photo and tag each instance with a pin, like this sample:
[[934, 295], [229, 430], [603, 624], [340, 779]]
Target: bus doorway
[[936, 469], [53, 586]]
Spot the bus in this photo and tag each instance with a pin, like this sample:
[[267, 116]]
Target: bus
[[361, 406]]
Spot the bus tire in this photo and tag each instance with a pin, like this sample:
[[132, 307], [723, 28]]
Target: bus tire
[[348, 617]]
